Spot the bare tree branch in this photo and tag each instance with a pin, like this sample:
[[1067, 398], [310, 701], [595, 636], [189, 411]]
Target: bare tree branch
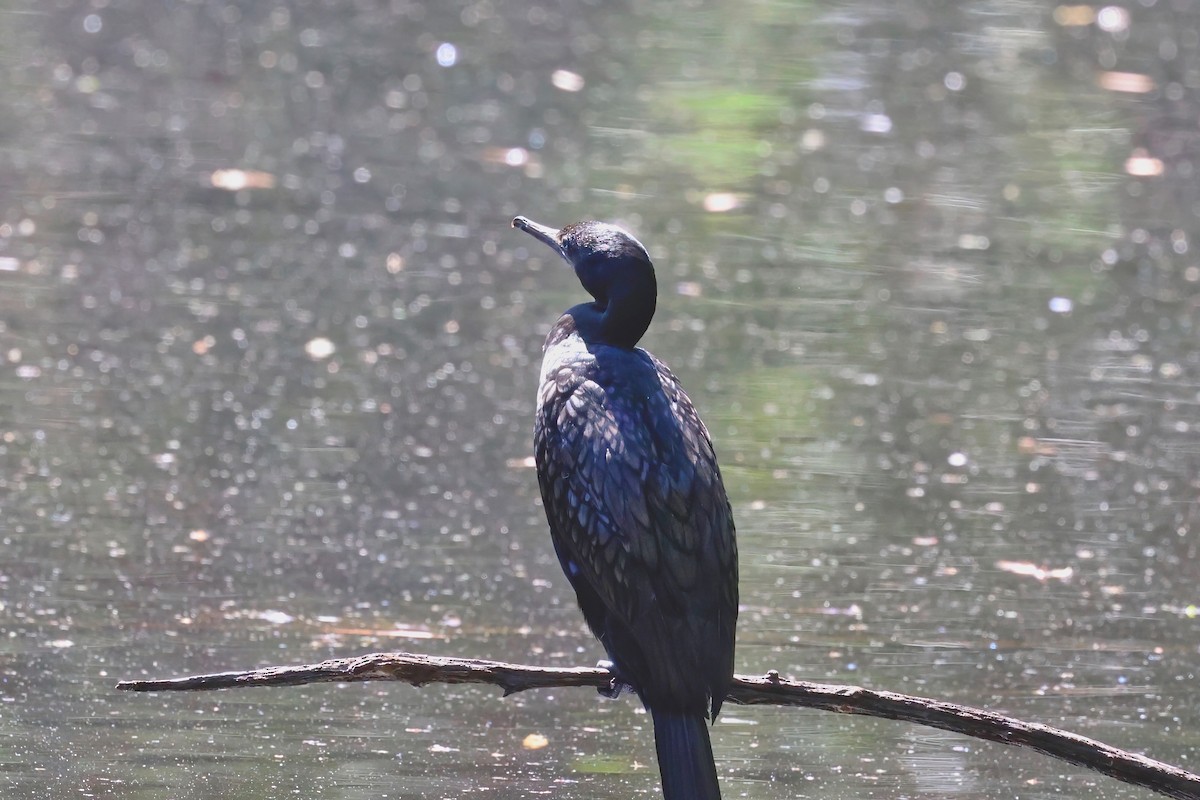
[[770, 689]]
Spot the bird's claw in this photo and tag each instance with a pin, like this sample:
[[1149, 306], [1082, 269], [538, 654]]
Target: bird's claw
[[616, 685]]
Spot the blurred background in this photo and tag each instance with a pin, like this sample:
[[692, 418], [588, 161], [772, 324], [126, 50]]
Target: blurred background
[[269, 348]]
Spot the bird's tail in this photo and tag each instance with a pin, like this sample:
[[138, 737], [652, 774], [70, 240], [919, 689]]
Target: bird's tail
[[685, 757]]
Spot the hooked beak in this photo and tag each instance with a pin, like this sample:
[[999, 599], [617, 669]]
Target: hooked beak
[[540, 232]]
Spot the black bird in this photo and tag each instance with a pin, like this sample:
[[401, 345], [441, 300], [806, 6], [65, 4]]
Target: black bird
[[637, 509]]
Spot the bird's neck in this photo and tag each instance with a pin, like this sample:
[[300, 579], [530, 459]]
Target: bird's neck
[[627, 315], [619, 322]]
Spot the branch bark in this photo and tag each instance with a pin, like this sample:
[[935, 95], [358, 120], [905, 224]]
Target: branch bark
[[771, 689]]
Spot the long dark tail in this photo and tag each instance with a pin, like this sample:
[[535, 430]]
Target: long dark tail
[[685, 757]]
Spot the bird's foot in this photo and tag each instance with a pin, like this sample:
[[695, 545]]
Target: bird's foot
[[616, 686]]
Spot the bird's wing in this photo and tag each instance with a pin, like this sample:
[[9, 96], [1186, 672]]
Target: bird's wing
[[638, 511]]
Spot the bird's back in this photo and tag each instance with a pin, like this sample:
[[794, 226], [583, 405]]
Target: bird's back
[[639, 517]]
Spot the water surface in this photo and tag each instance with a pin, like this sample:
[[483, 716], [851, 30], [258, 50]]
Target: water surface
[[268, 352]]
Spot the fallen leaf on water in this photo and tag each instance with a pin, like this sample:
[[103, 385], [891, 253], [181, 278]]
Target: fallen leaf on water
[[1030, 570], [534, 741]]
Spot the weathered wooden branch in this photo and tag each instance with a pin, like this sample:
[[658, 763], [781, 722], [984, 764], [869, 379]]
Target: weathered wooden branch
[[770, 689]]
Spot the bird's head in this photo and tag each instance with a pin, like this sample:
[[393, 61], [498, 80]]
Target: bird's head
[[610, 263]]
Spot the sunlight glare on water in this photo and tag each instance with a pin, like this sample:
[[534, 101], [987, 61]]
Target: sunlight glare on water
[[269, 352]]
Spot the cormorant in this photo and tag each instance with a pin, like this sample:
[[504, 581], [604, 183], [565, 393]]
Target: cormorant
[[637, 510]]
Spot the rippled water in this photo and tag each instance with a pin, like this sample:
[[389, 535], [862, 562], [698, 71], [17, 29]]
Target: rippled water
[[268, 351]]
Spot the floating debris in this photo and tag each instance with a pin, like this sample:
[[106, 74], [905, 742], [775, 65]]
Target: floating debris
[[1142, 165], [319, 348], [534, 741], [721, 202], [235, 180], [1030, 570], [1133, 82], [567, 81]]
